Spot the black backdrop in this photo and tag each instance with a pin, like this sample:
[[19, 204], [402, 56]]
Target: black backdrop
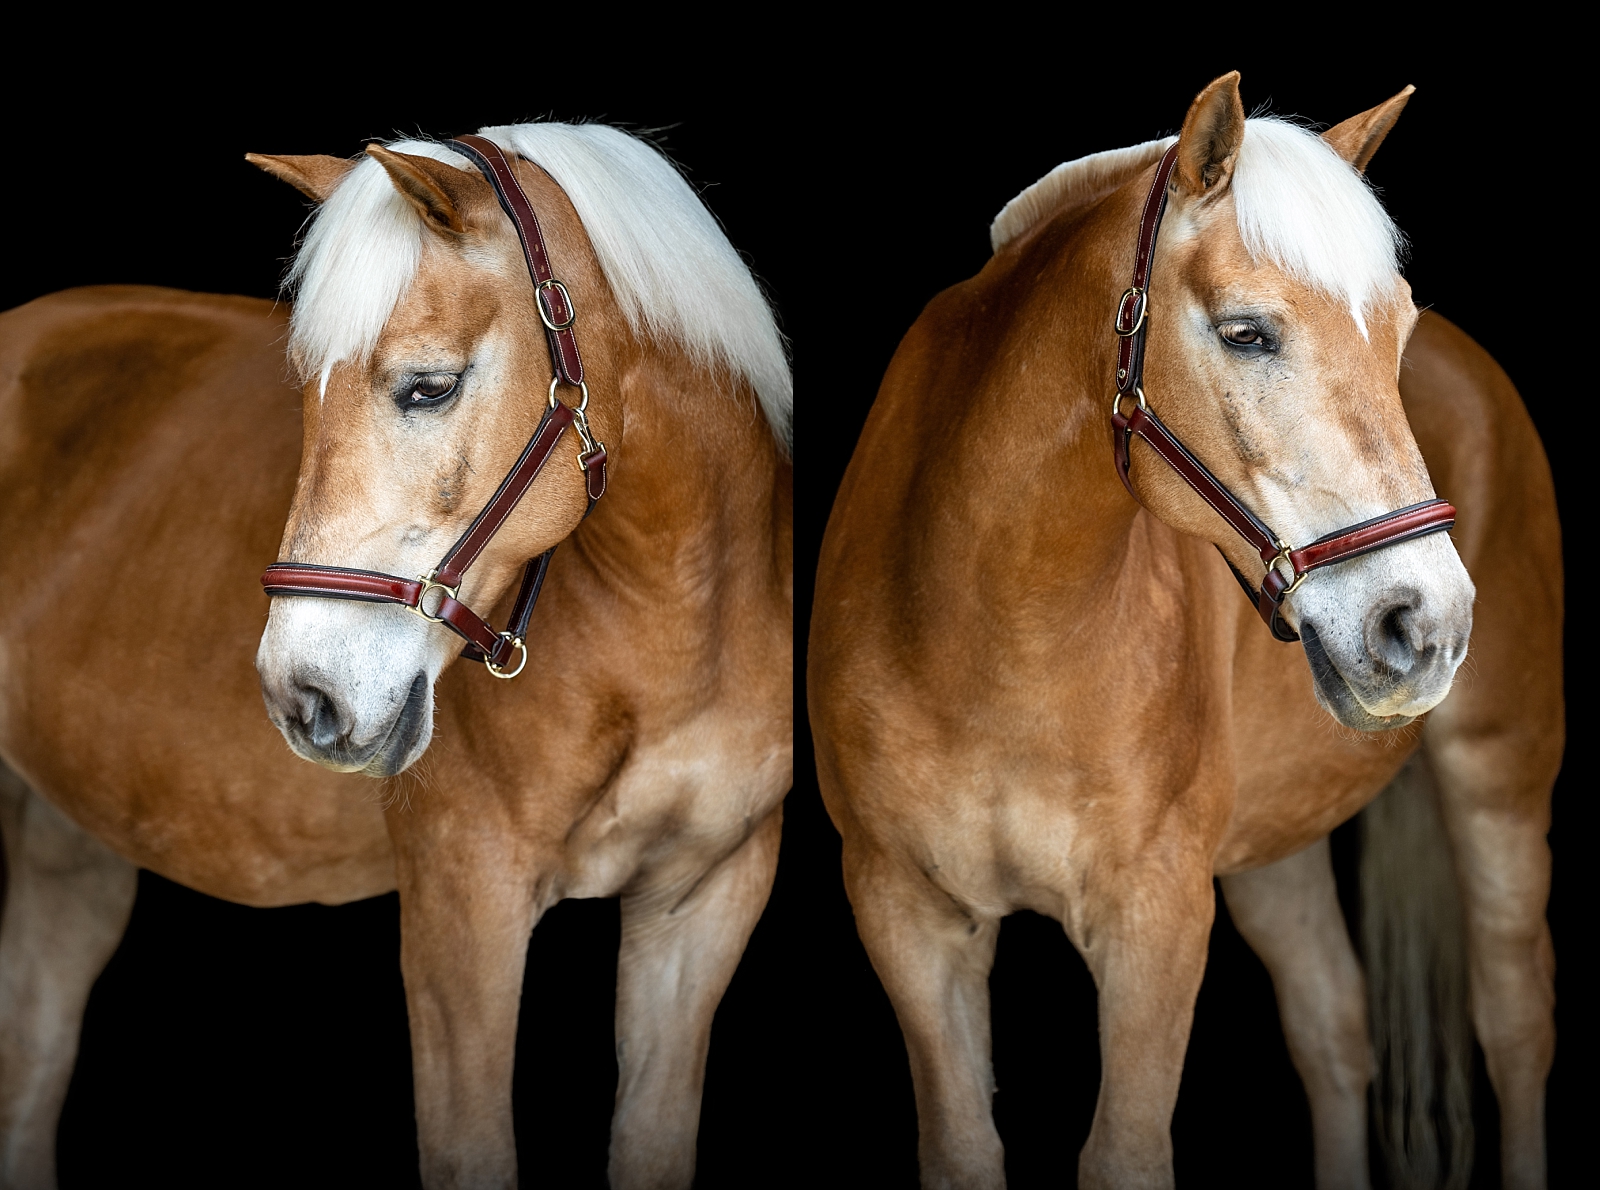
[[229, 1046]]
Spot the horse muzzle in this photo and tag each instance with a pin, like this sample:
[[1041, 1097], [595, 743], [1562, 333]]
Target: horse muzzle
[[1394, 658]]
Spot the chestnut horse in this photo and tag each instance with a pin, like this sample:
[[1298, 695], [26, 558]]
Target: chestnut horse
[[1031, 689], [150, 457]]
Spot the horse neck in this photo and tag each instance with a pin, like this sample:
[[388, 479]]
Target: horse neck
[[1043, 411], [695, 457]]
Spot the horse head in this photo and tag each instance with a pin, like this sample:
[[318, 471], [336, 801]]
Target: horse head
[[1279, 319], [426, 369]]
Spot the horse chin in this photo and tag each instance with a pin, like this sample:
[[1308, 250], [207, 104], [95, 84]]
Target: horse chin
[[1335, 694], [398, 747], [409, 734]]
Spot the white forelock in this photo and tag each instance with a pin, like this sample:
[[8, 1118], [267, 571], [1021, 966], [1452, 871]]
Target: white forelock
[[669, 265], [1307, 210], [1298, 204]]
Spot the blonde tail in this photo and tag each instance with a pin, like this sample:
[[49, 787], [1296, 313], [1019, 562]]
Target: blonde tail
[[1414, 946]]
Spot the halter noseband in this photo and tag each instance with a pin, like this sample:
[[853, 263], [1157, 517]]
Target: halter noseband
[[556, 312], [1131, 323]]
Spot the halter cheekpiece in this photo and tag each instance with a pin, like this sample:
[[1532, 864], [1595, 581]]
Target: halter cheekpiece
[[1131, 324], [433, 595]]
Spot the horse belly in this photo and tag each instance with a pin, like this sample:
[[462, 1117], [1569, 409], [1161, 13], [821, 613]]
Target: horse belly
[[151, 453]]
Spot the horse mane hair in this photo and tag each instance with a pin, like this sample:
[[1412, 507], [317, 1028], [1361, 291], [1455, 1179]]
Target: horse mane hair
[[668, 262], [1297, 202], [1071, 185]]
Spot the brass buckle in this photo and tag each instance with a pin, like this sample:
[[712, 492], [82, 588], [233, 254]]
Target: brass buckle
[[428, 584], [544, 315], [1141, 306], [516, 643], [580, 422], [1296, 577]]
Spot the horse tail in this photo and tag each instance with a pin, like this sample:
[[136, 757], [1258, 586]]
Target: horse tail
[[1413, 941]]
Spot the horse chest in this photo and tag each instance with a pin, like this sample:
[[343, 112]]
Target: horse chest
[[675, 807]]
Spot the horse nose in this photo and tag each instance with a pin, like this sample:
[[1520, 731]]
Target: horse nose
[[323, 723], [1397, 632]]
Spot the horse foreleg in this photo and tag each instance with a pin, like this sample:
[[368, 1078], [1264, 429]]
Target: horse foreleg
[[467, 910], [933, 956], [1496, 811], [680, 946], [1147, 950], [1289, 914], [67, 902]]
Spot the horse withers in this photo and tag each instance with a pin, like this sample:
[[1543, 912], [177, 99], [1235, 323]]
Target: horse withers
[[644, 750], [1032, 688]]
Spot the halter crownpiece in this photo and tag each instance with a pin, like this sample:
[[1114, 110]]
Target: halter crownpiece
[[1131, 324], [495, 649]]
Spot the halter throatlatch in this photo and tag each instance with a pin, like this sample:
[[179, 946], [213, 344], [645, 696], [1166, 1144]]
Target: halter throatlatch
[[433, 595], [1286, 567]]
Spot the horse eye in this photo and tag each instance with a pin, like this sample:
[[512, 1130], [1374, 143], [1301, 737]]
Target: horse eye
[[428, 390], [1243, 334]]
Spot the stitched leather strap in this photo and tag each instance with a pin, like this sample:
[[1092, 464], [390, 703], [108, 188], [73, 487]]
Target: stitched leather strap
[[1133, 310], [512, 488], [1195, 473], [555, 303], [338, 582], [1132, 322]]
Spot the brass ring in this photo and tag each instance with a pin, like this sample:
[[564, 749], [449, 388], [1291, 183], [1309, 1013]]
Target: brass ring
[[516, 643], [583, 389]]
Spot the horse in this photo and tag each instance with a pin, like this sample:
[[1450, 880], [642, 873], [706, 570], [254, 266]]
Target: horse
[[1033, 683], [154, 462]]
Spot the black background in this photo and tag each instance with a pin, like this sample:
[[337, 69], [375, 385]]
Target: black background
[[230, 1046]]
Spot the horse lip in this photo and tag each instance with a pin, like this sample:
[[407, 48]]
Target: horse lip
[[389, 757], [1335, 693]]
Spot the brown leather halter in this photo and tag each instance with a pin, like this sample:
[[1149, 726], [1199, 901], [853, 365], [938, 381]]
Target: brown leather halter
[[494, 649], [1131, 322]]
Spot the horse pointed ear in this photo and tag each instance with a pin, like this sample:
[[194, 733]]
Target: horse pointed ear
[[316, 176], [1358, 138], [1212, 132], [437, 190]]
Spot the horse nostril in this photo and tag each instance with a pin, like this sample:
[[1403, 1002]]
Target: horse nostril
[[320, 715], [1394, 636]]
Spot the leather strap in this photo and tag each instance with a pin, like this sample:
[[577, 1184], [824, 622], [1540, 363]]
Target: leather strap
[[1131, 324], [551, 296], [557, 313], [470, 544], [1133, 310]]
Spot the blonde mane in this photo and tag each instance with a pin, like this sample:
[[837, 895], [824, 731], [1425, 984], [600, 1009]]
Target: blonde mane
[[1298, 204], [669, 265], [1072, 184]]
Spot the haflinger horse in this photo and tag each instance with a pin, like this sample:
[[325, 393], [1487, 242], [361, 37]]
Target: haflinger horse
[[1034, 688], [149, 460]]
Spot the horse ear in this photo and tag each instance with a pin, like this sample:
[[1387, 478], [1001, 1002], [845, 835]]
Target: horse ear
[[316, 176], [1358, 138], [437, 190], [1212, 132]]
